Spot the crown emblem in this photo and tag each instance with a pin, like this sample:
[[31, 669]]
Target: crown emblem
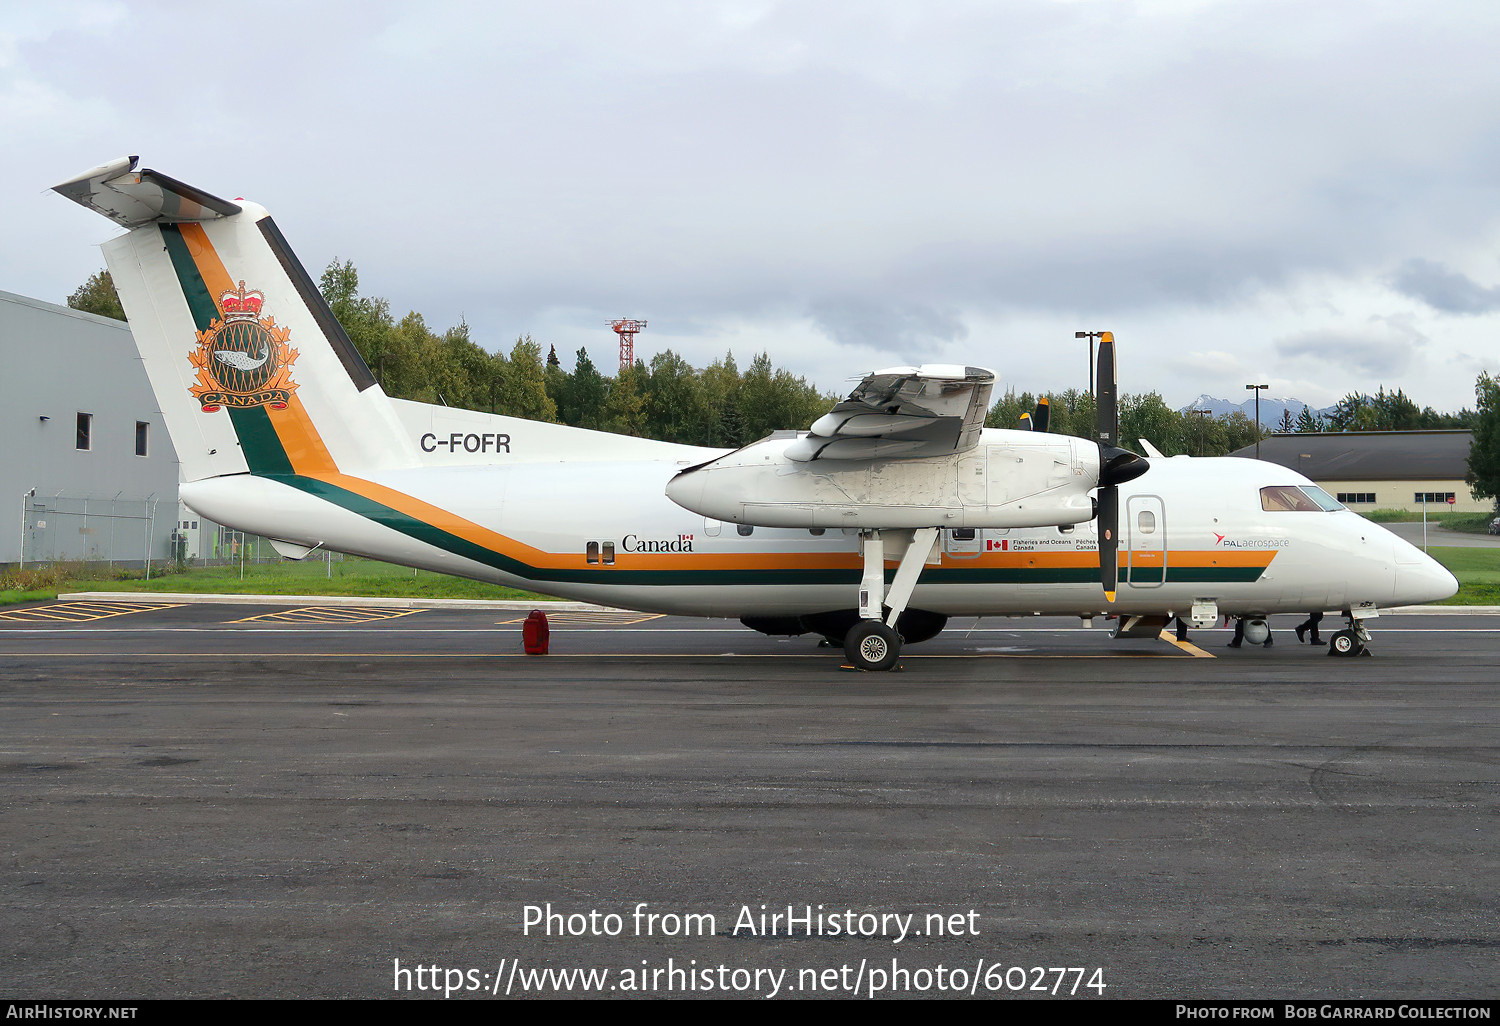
[[240, 305]]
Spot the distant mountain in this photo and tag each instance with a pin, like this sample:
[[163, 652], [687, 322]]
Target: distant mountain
[[1270, 409]]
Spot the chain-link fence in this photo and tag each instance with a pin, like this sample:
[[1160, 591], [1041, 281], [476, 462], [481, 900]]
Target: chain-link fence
[[61, 528], [133, 533]]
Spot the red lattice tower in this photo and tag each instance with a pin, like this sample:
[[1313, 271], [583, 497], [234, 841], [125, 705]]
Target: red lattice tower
[[626, 329]]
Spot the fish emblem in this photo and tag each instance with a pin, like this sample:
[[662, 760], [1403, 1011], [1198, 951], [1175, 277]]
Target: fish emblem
[[243, 361]]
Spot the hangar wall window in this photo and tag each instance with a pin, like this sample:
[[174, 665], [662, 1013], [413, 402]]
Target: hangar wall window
[[1432, 497], [85, 437], [142, 436], [1357, 498]]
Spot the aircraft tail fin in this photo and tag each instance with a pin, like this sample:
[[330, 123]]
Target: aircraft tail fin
[[252, 371]]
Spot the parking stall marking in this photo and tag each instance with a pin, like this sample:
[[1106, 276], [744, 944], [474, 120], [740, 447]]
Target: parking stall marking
[[328, 614], [80, 612]]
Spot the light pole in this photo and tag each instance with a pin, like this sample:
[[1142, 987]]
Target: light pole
[[1258, 389], [1090, 335], [1202, 428]]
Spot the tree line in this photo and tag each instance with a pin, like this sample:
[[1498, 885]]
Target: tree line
[[721, 406]]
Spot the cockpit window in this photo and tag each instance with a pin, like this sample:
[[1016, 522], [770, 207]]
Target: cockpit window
[[1322, 498], [1284, 498]]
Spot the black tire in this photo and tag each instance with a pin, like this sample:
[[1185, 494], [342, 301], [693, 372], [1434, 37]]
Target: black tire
[[1344, 643], [871, 645]]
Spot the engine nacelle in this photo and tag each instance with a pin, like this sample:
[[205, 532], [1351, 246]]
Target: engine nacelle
[[1010, 479]]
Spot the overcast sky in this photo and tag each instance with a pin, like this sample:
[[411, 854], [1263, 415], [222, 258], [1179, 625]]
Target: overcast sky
[[1304, 193]]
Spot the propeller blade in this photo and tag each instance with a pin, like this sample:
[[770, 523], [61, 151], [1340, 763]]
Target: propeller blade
[[1109, 540], [1043, 414], [1026, 422], [1106, 399], [1116, 465]]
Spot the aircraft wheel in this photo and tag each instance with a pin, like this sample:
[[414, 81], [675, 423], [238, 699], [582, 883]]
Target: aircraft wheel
[[1344, 643], [871, 645]]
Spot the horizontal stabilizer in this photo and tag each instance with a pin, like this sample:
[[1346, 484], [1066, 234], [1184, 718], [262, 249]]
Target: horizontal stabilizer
[[132, 198]]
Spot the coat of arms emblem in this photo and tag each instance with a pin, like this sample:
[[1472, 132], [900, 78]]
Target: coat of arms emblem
[[243, 360]]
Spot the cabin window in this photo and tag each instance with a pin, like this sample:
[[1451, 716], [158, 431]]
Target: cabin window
[[1064, 528], [1145, 520], [591, 553], [816, 532], [1287, 498], [745, 530], [963, 533], [609, 553]]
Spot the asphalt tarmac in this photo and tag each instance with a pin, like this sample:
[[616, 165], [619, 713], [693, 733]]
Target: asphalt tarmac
[[255, 801]]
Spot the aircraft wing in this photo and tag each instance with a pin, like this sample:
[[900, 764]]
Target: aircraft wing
[[902, 412], [132, 198]]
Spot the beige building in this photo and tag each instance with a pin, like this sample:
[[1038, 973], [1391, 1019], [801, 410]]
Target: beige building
[[1369, 470]]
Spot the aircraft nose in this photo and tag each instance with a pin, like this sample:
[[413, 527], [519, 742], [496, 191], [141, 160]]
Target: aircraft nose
[[1422, 580]]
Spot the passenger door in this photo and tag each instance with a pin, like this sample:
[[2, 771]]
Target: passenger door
[[1145, 558]]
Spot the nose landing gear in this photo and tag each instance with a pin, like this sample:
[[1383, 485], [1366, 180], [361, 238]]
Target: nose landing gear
[[1352, 641]]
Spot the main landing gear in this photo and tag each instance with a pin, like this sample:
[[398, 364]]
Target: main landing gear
[[873, 644]]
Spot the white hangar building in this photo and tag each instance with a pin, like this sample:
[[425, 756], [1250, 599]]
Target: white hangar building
[[86, 469], [1369, 470]]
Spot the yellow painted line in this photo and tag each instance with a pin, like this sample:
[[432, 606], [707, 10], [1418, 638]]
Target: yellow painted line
[[79, 612], [329, 614], [813, 655], [1170, 637], [608, 619]]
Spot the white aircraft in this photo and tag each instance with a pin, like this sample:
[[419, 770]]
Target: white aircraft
[[895, 512]]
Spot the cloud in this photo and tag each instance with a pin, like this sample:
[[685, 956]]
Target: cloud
[[1382, 346], [910, 329], [1444, 289], [893, 181]]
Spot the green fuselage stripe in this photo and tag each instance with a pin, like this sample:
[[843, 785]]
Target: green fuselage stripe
[[408, 525]]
